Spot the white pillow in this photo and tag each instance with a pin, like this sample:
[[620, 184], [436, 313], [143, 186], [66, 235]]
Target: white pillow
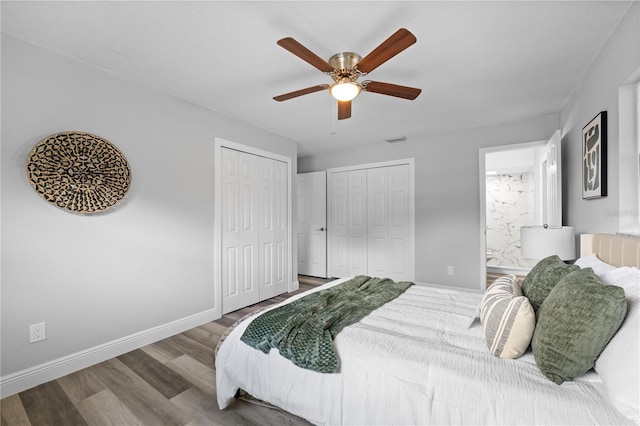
[[617, 365], [622, 277], [507, 317], [592, 261]]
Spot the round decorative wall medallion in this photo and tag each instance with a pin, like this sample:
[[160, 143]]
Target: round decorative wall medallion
[[78, 171]]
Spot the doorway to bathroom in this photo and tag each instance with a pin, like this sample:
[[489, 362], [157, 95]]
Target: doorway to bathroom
[[520, 185]]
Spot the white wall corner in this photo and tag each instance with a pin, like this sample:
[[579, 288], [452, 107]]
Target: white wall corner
[[628, 213], [51, 370]]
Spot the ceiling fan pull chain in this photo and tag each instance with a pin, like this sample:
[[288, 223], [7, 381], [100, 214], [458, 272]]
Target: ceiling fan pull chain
[[334, 115]]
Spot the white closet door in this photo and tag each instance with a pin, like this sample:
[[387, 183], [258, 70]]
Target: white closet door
[[340, 225], [371, 222], [349, 223], [266, 222], [272, 227], [281, 233], [240, 237], [357, 253], [388, 222]]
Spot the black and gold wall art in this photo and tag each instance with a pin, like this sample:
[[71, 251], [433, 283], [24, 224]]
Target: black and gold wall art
[[79, 172]]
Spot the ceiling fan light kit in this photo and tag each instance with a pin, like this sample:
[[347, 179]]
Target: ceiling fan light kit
[[344, 90], [346, 67]]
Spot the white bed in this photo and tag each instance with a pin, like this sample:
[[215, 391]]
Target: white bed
[[415, 360]]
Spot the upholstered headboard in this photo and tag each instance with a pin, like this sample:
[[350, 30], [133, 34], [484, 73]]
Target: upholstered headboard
[[614, 249]]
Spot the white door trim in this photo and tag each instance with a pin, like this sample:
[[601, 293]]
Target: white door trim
[[482, 179], [220, 143], [412, 217]]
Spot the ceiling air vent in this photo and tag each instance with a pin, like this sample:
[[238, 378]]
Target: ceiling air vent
[[396, 139]]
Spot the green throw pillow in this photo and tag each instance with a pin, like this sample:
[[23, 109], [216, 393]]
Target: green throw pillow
[[543, 277], [575, 323]]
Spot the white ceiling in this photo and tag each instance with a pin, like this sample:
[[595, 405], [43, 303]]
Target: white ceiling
[[477, 63]]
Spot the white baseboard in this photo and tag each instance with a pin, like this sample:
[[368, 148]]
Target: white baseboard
[[508, 270], [42, 373], [295, 285], [449, 287]]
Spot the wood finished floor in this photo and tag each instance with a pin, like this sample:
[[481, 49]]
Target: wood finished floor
[[492, 276], [170, 382]]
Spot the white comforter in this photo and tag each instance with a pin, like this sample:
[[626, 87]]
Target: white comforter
[[415, 360]]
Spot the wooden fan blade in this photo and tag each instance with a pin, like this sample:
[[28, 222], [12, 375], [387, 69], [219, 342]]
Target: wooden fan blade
[[395, 44], [305, 54], [396, 90], [344, 110], [301, 92]]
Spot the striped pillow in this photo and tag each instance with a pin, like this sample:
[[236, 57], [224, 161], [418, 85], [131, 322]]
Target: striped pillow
[[507, 317]]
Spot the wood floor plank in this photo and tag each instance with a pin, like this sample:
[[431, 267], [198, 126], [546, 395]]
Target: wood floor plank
[[162, 378], [12, 412], [106, 409], [144, 401], [80, 385], [265, 416], [162, 351], [204, 409], [201, 335], [196, 350], [202, 376], [48, 405], [216, 330], [226, 321]]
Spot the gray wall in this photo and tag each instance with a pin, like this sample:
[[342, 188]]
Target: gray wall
[[147, 262], [447, 192], [618, 60]]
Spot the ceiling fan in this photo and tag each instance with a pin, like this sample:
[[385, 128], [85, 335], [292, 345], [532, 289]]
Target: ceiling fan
[[346, 67]]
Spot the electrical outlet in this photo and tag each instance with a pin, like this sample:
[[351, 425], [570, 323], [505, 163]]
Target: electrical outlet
[[449, 270], [37, 332]]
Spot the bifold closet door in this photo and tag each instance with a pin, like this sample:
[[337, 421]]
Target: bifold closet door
[[255, 225], [388, 222], [349, 222], [240, 236], [273, 227], [370, 222]]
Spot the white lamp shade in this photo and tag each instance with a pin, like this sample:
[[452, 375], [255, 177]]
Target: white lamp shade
[[538, 242]]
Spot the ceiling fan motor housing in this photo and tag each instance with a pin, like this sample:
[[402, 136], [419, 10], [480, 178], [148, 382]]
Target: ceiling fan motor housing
[[344, 64]]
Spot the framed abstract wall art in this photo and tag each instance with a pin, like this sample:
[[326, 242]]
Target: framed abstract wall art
[[594, 157]]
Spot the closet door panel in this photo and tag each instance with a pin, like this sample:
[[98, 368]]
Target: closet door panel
[[340, 225], [357, 219], [273, 232], [398, 225], [266, 221], [280, 227], [378, 238], [239, 231], [388, 207]]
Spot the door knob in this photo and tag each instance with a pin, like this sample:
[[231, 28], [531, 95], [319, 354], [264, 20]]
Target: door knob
[[322, 229]]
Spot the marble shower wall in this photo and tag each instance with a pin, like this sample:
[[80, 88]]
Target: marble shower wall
[[510, 205]]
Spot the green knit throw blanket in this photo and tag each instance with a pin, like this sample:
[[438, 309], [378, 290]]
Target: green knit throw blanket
[[303, 330]]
